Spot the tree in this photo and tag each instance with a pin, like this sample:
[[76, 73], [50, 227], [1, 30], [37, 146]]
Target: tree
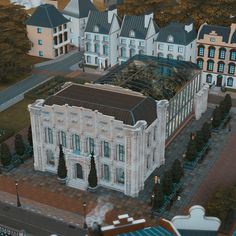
[[158, 197], [61, 169], [216, 117], [177, 171], [199, 140], [19, 145], [191, 150], [5, 154], [92, 178], [14, 43], [167, 183], [206, 132], [30, 140], [228, 103]]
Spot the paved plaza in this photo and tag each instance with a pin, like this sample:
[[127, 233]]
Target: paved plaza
[[44, 194]]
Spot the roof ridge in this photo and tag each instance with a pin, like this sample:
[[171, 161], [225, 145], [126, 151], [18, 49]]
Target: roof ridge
[[49, 16]]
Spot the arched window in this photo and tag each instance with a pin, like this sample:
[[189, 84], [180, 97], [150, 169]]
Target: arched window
[[233, 55], [230, 82], [96, 48], [50, 158], [79, 171], [180, 58], [131, 52], [222, 52], [141, 52], [211, 52], [105, 50], [170, 56], [132, 34], [201, 49], [221, 66], [200, 63], [210, 65], [209, 78], [231, 68], [160, 55], [123, 52]]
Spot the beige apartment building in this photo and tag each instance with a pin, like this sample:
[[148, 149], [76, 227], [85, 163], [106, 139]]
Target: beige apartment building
[[216, 55], [48, 32]]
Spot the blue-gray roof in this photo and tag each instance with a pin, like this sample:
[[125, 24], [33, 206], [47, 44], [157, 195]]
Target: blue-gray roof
[[47, 16], [99, 19], [220, 31], [79, 8], [197, 232], [135, 23], [233, 39], [180, 35]]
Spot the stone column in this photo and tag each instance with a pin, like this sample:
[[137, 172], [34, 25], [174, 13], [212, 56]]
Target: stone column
[[197, 105]]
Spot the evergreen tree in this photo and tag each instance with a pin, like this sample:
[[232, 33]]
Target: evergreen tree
[[5, 154], [30, 140], [92, 178], [206, 132], [199, 140], [228, 103], [61, 170], [19, 145], [191, 150], [158, 197], [216, 117], [167, 183], [177, 171]]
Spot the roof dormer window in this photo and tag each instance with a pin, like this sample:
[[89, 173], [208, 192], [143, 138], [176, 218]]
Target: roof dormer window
[[96, 28], [170, 39], [132, 34]]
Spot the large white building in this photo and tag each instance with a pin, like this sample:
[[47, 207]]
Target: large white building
[[177, 41], [77, 12], [101, 38], [137, 36]]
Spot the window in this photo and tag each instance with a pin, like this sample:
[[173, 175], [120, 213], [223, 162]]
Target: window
[[54, 30], [209, 78], [105, 38], [55, 40], [131, 34], [212, 39], [88, 59], [90, 143], [233, 55], [221, 66], [201, 51], [96, 61], [96, 48], [160, 46], [170, 48], [170, 39], [120, 175], [56, 52], [160, 55], [230, 82], [141, 43], [50, 158], [60, 28], [231, 68], [88, 47], [105, 50], [132, 42], [123, 41], [121, 152], [154, 133], [148, 139], [41, 53], [200, 63], [170, 56], [123, 52], [96, 37], [180, 58], [211, 52], [141, 52], [40, 42], [61, 50], [50, 136], [154, 155], [180, 49], [39, 30], [210, 65], [76, 142], [105, 172], [65, 26], [96, 28], [65, 36], [88, 36], [222, 53], [106, 149], [63, 138], [131, 52], [147, 162], [79, 171], [60, 38]]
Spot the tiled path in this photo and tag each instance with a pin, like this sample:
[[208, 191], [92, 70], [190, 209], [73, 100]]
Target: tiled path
[[44, 188]]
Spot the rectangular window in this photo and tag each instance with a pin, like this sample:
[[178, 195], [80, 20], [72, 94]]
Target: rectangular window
[[76, 142], [65, 26], [41, 53], [221, 67], [141, 43], [96, 37], [105, 38], [154, 133], [123, 41], [60, 28], [121, 150], [170, 48], [54, 30], [212, 39], [160, 46], [201, 51], [40, 42], [50, 136], [132, 42], [88, 36], [148, 139], [39, 30], [153, 155], [63, 138], [106, 149], [222, 54], [105, 172], [180, 49], [233, 55], [120, 175], [91, 145]]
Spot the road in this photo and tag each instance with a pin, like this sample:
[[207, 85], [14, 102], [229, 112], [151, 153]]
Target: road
[[35, 224]]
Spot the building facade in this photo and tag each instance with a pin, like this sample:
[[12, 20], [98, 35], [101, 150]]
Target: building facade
[[177, 41], [216, 55], [137, 36], [77, 12], [101, 38], [48, 32]]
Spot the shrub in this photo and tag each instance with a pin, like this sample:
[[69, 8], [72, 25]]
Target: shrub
[[19, 145], [167, 183], [158, 197], [228, 103], [199, 140], [191, 150], [216, 117], [5, 134], [59, 79], [5, 154], [177, 171], [92, 178], [206, 132], [61, 170]]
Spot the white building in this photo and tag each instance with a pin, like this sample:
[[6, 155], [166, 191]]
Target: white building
[[137, 36], [125, 129], [177, 41], [101, 38], [77, 12]]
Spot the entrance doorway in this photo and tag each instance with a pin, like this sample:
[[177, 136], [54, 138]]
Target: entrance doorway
[[219, 81], [106, 64]]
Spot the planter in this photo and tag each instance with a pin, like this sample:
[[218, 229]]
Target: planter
[[92, 189], [62, 180]]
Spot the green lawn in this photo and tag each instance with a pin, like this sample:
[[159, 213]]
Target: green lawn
[[16, 117]]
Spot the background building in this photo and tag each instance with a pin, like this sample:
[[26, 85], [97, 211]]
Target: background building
[[47, 30], [216, 54], [105, 4]]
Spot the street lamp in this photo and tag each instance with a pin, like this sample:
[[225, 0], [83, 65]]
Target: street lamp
[[84, 206], [17, 195]]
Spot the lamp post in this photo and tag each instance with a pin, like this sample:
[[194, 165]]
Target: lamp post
[[83, 63], [84, 207], [17, 195]]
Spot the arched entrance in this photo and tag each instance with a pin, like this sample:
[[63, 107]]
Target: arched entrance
[[219, 81], [79, 171]]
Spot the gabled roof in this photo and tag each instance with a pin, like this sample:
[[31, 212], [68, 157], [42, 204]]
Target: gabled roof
[[47, 16], [99, 19], [128, 108], [180, 35], [137, 24], [220, 31], [79, 8]]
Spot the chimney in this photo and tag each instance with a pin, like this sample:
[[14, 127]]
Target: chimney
[[147, 19], [188, 27], [110, 14]]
